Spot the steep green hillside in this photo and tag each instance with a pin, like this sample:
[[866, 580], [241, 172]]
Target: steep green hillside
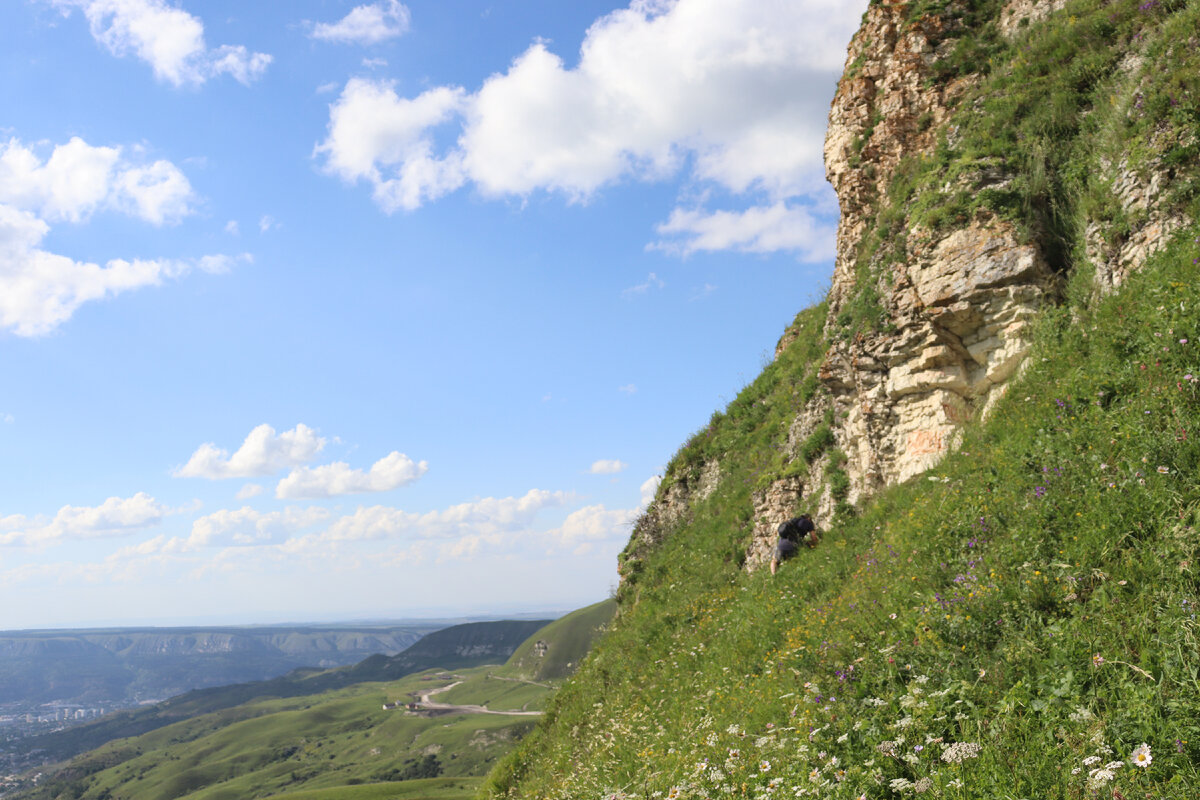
[[1021, 621], [1034, 597]]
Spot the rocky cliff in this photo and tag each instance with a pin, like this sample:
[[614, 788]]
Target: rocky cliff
[[989, 158]]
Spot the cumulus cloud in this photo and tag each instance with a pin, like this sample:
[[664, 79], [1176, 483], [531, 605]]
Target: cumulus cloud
[[330, 480], [490, 516], [116, 516], [246, 526], [77, 179], [607, 467], [366, 24], [167, 38], [592, 524], [40, 290], [378, 136], [729, 93], [761, 229], [264, 452]]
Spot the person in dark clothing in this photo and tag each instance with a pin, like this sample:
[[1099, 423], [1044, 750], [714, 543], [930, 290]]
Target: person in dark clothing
[[792, 534]]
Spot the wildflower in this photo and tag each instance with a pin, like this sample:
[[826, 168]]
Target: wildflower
[[1163, 470], [961, 751], [1141, 756], [1097, 659], [923, 785], [1087, 762], [764, 766], [1100, 776]]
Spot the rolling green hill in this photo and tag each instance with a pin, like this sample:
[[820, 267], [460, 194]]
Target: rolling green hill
[[463, 645], [1019, 621], [351, 736]]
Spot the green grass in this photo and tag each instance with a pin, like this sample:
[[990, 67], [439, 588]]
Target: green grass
[[425, 789], [1035, 596], [567, 641]]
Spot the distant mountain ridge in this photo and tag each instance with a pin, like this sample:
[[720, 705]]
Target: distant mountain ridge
[[115, 667]]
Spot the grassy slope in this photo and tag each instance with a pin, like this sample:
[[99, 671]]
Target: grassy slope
[[568, 640], [1034, 596], [324, 741]]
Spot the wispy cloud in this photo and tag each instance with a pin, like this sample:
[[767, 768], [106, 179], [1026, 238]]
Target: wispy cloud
[[607, 467], [652, 282]]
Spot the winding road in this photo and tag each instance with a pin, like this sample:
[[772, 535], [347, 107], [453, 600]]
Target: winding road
[[428, 705]]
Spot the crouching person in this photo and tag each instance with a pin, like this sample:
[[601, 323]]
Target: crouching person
[[796, 531]]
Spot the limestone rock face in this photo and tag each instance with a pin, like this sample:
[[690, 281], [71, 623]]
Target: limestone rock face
[[1115, 259], [959, 307]]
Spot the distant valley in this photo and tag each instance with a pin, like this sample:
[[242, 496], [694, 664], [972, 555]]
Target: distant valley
[[429, 721]]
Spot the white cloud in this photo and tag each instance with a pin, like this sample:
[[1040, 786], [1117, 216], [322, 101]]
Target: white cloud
[[761, 229], [232, 228], [366, 24], [249, 490], [628, 388], [374, 63], [652, 282], [116, 516], [77, 179], [262, 453], [648, 488], [246, 526], [591, 524], [732, 93], [169, 39], [330, 480], [607, 467], [371, 127], [266, 223], [40, 290], [489, 516]]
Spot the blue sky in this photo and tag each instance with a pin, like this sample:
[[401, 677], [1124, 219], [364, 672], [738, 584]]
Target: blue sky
[[326, 310]]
